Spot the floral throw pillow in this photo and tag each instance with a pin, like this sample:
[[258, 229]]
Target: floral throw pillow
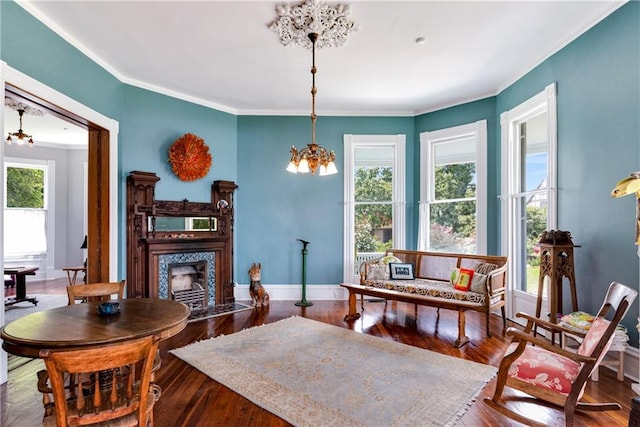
[[464, 279]]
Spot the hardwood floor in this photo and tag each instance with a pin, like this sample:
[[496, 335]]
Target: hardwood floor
[[190, 398]]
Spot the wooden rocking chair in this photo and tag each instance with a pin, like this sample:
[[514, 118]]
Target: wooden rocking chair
[[558, 376]]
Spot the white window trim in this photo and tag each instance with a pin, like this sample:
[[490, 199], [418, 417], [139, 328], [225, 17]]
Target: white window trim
[[398, 143], [510, 177], [477, 130], [49, 166]]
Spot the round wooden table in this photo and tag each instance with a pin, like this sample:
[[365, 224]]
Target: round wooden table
[[80, 326]]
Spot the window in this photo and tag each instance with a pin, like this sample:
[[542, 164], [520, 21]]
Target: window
[[528, 190], [453, 189], [26, 213], [374, 194]]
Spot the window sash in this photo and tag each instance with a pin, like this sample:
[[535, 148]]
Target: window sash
[[353, 160], [455, 145]]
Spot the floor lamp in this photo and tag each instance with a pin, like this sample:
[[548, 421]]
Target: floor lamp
[[631, 185], [84, 246], [303, 302]]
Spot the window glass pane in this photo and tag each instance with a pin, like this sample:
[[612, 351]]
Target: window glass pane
[[25, 231], [373, 174], [534, 153], [25, 188], [457, 181], [536, 222], [373, 184], [374, 227], [453, 227]]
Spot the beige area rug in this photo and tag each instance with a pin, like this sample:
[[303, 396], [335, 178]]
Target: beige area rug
[[314, 374]]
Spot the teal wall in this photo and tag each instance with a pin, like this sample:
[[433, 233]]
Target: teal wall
[[151, 124], [597, 77], [277, 207]]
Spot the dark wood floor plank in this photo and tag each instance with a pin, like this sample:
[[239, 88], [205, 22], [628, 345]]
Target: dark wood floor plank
[[190, 398]]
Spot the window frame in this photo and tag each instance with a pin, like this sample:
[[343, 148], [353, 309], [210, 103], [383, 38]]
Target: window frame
[[428, 141], [398, 144], [510, 120], [48, 166]]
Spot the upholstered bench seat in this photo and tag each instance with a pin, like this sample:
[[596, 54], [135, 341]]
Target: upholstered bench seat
[[429, 288]]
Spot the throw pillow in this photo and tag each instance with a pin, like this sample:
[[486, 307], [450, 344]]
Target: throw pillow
[[485, 267], [478, 284], [464, 279], [454, 276], [385, 260], [578, 319], [377, 272]]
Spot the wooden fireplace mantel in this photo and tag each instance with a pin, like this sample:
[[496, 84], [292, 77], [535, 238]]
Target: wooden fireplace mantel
[[145, 244]]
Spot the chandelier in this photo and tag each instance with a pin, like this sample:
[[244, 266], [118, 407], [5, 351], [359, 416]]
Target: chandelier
[[22, 137], [309, 24], [21, 108], [313, 156]]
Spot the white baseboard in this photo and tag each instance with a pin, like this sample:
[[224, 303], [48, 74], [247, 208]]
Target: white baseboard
[[294, 293]]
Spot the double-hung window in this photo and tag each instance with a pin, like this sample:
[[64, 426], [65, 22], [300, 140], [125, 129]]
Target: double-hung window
[[374, 191], [528, 192], [26, 208], [453, 195]]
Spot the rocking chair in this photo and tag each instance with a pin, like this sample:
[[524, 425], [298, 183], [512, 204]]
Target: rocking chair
[[555, 376]]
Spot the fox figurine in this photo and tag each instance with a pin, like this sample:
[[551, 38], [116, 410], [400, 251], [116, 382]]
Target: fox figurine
[[259, 295]]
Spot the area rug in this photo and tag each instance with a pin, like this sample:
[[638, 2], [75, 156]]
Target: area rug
[[217, 310], [45, 302], [314, 374]]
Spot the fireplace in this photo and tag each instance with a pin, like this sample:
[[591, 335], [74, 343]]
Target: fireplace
[[188, 278], [167, 238]]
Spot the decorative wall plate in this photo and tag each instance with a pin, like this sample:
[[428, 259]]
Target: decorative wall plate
[[189, 157]]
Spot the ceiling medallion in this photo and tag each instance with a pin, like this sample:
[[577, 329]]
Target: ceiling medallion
[[295, 23], [17, 105]]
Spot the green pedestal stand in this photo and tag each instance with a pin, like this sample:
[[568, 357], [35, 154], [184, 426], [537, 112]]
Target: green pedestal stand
[[303, 302]]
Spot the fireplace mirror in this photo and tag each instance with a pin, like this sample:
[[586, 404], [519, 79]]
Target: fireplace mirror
[[167, 223]]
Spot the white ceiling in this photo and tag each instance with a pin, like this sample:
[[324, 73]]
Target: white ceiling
[[222, 54]]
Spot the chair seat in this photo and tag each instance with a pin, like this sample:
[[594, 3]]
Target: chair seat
[[545, 369]]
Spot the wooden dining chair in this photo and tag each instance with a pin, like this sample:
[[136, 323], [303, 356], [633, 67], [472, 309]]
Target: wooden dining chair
[[114, 384], [79, 293], [551, 374], [95, 291]]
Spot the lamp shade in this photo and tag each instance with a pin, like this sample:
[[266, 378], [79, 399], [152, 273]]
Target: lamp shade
[[84, 243]]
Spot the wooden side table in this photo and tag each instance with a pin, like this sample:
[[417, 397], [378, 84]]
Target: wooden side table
[[556, 262], [72, 273]]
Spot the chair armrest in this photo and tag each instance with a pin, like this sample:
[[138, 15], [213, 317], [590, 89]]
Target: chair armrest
[[553, 327], [520, 335], [491, 277]]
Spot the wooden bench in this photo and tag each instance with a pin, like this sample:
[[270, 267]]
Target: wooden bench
[[431, 287]]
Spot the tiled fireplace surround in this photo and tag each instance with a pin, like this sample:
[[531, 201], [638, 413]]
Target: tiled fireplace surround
[[205, 261]]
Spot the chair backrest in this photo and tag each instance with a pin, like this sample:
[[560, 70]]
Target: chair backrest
[[616, 304], [107, 387], [95, 291]]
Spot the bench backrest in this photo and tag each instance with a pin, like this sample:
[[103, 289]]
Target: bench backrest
[[439, 265]]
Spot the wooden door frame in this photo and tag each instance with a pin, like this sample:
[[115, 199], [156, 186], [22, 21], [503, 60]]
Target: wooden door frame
[[102, 181]]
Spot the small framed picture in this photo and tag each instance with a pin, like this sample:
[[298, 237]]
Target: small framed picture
[[399, 271]]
